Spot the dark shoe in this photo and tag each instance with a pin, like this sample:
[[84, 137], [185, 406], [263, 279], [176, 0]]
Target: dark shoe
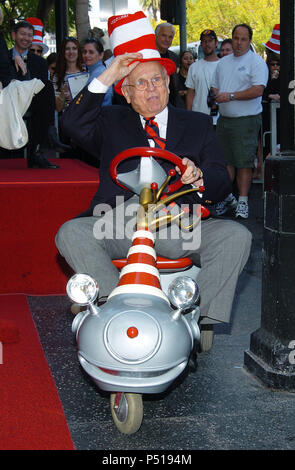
[[54, 141], [192, 361], [206, 337], [40, 161]]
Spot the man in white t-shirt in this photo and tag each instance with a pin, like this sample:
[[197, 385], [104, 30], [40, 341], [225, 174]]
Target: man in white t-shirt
[[238, 83], [200, 75]]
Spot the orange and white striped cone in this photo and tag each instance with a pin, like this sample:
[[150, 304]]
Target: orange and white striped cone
[[140, 275]]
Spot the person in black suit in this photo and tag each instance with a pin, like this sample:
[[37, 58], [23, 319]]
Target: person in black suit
[[42, 108], [6, 73], [4, 62], [164, 34], [109, 130]]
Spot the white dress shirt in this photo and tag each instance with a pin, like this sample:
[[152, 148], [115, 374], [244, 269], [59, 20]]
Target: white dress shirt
[[96, 86]]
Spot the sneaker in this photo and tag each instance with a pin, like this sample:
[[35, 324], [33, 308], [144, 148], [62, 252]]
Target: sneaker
[[242, 210], [220, 208], [230, 203]]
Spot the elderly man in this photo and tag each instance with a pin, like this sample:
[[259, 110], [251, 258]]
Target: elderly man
[[143, 78], [165, 33]]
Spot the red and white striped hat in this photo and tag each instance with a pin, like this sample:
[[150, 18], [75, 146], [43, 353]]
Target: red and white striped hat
[[134, 33], [38, 33], [273, 44]]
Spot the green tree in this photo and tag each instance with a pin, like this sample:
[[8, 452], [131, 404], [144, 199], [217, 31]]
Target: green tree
[[151, 5], [222, 16], [82, 20], [16, 10], [44, 8]]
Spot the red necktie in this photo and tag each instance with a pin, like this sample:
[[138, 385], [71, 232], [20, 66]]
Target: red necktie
[[152, 130]]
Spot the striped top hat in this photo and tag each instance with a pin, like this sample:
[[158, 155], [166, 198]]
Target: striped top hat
[[134, 33], [38, 33], [273, 44], [140, 275]]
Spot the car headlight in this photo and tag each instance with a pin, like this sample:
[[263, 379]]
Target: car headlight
[[183, 292], [82, 289]]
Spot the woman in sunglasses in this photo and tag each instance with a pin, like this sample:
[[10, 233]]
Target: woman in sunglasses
[[69, 61], [51, 63]]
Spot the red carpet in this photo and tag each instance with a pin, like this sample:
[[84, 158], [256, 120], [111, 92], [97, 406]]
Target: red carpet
[[34, 204], [31, 415]]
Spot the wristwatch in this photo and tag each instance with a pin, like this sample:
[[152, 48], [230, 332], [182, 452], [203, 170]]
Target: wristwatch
[[232, 96]]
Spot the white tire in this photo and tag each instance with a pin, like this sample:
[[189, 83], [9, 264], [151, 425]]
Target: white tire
[[128, 415]]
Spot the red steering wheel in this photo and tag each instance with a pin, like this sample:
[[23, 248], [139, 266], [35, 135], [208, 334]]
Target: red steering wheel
[[148, 152]]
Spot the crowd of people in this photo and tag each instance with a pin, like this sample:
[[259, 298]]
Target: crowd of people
[[208, 111], [237, 102], [212, 85], [24, 62], [234, 85]]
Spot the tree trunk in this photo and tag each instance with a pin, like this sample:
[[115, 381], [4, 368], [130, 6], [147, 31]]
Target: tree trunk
[[82, 20], [43, 10]]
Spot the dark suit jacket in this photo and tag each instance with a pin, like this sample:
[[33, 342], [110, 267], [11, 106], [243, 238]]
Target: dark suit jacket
[[173, 95], [42, 107], [108, 130], [5, 73], [37, 68]]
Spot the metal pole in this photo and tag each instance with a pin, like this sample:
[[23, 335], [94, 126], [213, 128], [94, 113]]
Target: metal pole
[[61, 21], [273, 127], [271, 353], [182, 26], [287, 75]]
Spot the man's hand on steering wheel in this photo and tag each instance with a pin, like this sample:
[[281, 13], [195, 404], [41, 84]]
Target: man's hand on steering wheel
[[192, 175]]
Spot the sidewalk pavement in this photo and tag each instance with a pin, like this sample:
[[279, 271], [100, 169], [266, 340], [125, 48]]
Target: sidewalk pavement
[[220, 406]]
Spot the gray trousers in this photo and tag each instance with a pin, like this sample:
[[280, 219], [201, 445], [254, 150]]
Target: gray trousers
[[223, 252]]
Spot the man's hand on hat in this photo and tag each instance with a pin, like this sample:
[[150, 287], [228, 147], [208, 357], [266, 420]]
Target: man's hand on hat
[[192, 173], [120, 67]]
